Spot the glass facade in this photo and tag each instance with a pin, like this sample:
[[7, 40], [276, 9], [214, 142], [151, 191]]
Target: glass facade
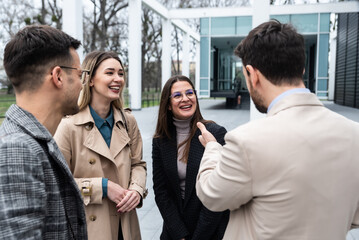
[[323, 55], [204, 57], [325, 22], [204, 26], [219, 36], [204, 67], [281, 18], [305, 23], [244, 25], [223, 26]]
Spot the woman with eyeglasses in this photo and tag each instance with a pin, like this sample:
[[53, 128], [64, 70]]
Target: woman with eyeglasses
[[176, 156], [103, 148]]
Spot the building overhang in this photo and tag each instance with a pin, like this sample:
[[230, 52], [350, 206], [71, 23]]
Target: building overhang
[[340, 7]]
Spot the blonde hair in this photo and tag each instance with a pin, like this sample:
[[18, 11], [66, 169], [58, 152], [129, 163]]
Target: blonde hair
[[91, 63]]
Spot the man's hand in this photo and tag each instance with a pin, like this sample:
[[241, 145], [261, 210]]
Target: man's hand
[[206, 136]]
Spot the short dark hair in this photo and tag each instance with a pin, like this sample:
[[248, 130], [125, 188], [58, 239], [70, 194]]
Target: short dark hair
[[32, 51], [276, 50]]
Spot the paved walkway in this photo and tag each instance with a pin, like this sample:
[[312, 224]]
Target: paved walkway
[[149, 216]]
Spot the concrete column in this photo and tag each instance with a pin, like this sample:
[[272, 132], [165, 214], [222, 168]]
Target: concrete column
[[198, 61], [332, 63], [185, 55], [72, 21], [134, 53], [166, 50], [260, 15]]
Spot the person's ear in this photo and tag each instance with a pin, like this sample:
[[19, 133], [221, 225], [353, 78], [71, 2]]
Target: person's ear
[[91, 83], [56, 77], [252, 75]]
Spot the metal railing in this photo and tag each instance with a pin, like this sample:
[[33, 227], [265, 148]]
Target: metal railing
[[149, 99]]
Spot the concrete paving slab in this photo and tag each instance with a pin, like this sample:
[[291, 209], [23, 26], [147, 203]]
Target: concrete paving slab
[[216, 110]]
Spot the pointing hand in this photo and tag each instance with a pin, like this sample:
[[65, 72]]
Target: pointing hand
[[206, 136]]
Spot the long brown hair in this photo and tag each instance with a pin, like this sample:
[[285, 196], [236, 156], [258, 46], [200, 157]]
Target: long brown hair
[[91, 63], [165, 125]]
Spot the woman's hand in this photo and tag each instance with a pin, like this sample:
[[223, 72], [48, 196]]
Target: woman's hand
[[115, 192], [129, 202]]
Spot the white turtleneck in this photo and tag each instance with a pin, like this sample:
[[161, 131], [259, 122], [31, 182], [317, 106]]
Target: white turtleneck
[[183, 131]]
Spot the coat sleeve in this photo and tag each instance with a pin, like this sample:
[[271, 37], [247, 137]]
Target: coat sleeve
[[208, 224], [224, 180], [22, 190], [355, 223], [209, 221], [168, 209], [64, 140], [138, 166]]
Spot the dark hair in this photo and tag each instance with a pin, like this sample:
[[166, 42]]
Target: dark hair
[[165, 125], [32, 51], [91, 62], [276, 50]]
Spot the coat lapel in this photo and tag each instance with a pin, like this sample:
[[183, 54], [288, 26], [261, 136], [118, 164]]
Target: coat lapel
[[170, 164], [94, 140], [58, 158], [194, 160], [120, 137], [96, 143], [30, 125]]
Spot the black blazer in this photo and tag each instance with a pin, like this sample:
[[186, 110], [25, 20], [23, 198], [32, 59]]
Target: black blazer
[[186, 218]]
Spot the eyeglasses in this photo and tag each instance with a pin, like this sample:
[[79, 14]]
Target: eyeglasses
[[84, 73], [178, 96]]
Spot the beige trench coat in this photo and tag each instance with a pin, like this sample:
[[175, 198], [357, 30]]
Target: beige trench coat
[[90, 159]]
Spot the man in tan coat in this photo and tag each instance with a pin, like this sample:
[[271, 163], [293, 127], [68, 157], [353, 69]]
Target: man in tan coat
[[292, 175]]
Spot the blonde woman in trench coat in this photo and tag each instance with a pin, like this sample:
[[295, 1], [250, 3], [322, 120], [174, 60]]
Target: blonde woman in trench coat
[[107, 166]]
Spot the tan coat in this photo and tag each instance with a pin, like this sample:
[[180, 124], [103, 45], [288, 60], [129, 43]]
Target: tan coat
[[292, 175], [90, 159]]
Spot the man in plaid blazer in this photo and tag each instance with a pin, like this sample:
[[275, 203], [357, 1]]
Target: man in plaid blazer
[[39, 198]]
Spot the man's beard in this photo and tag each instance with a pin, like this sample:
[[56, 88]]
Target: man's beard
[[70, 106], [257, 99]]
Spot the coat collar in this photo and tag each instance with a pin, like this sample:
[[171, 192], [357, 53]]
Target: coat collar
[[295, 100], [28, 123], [85, 117], [93, 139], [31, 126]]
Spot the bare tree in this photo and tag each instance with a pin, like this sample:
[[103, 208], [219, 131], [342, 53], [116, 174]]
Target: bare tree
[[12, 18], [151, 52], [49, 13], [103, 25]]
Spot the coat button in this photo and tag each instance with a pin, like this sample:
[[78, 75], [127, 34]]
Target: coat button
[[88, 127], [92, 161], [93, 218]]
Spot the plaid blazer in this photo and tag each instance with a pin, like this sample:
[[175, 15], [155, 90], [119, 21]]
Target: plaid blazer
[[39, 198], [186, 218]]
